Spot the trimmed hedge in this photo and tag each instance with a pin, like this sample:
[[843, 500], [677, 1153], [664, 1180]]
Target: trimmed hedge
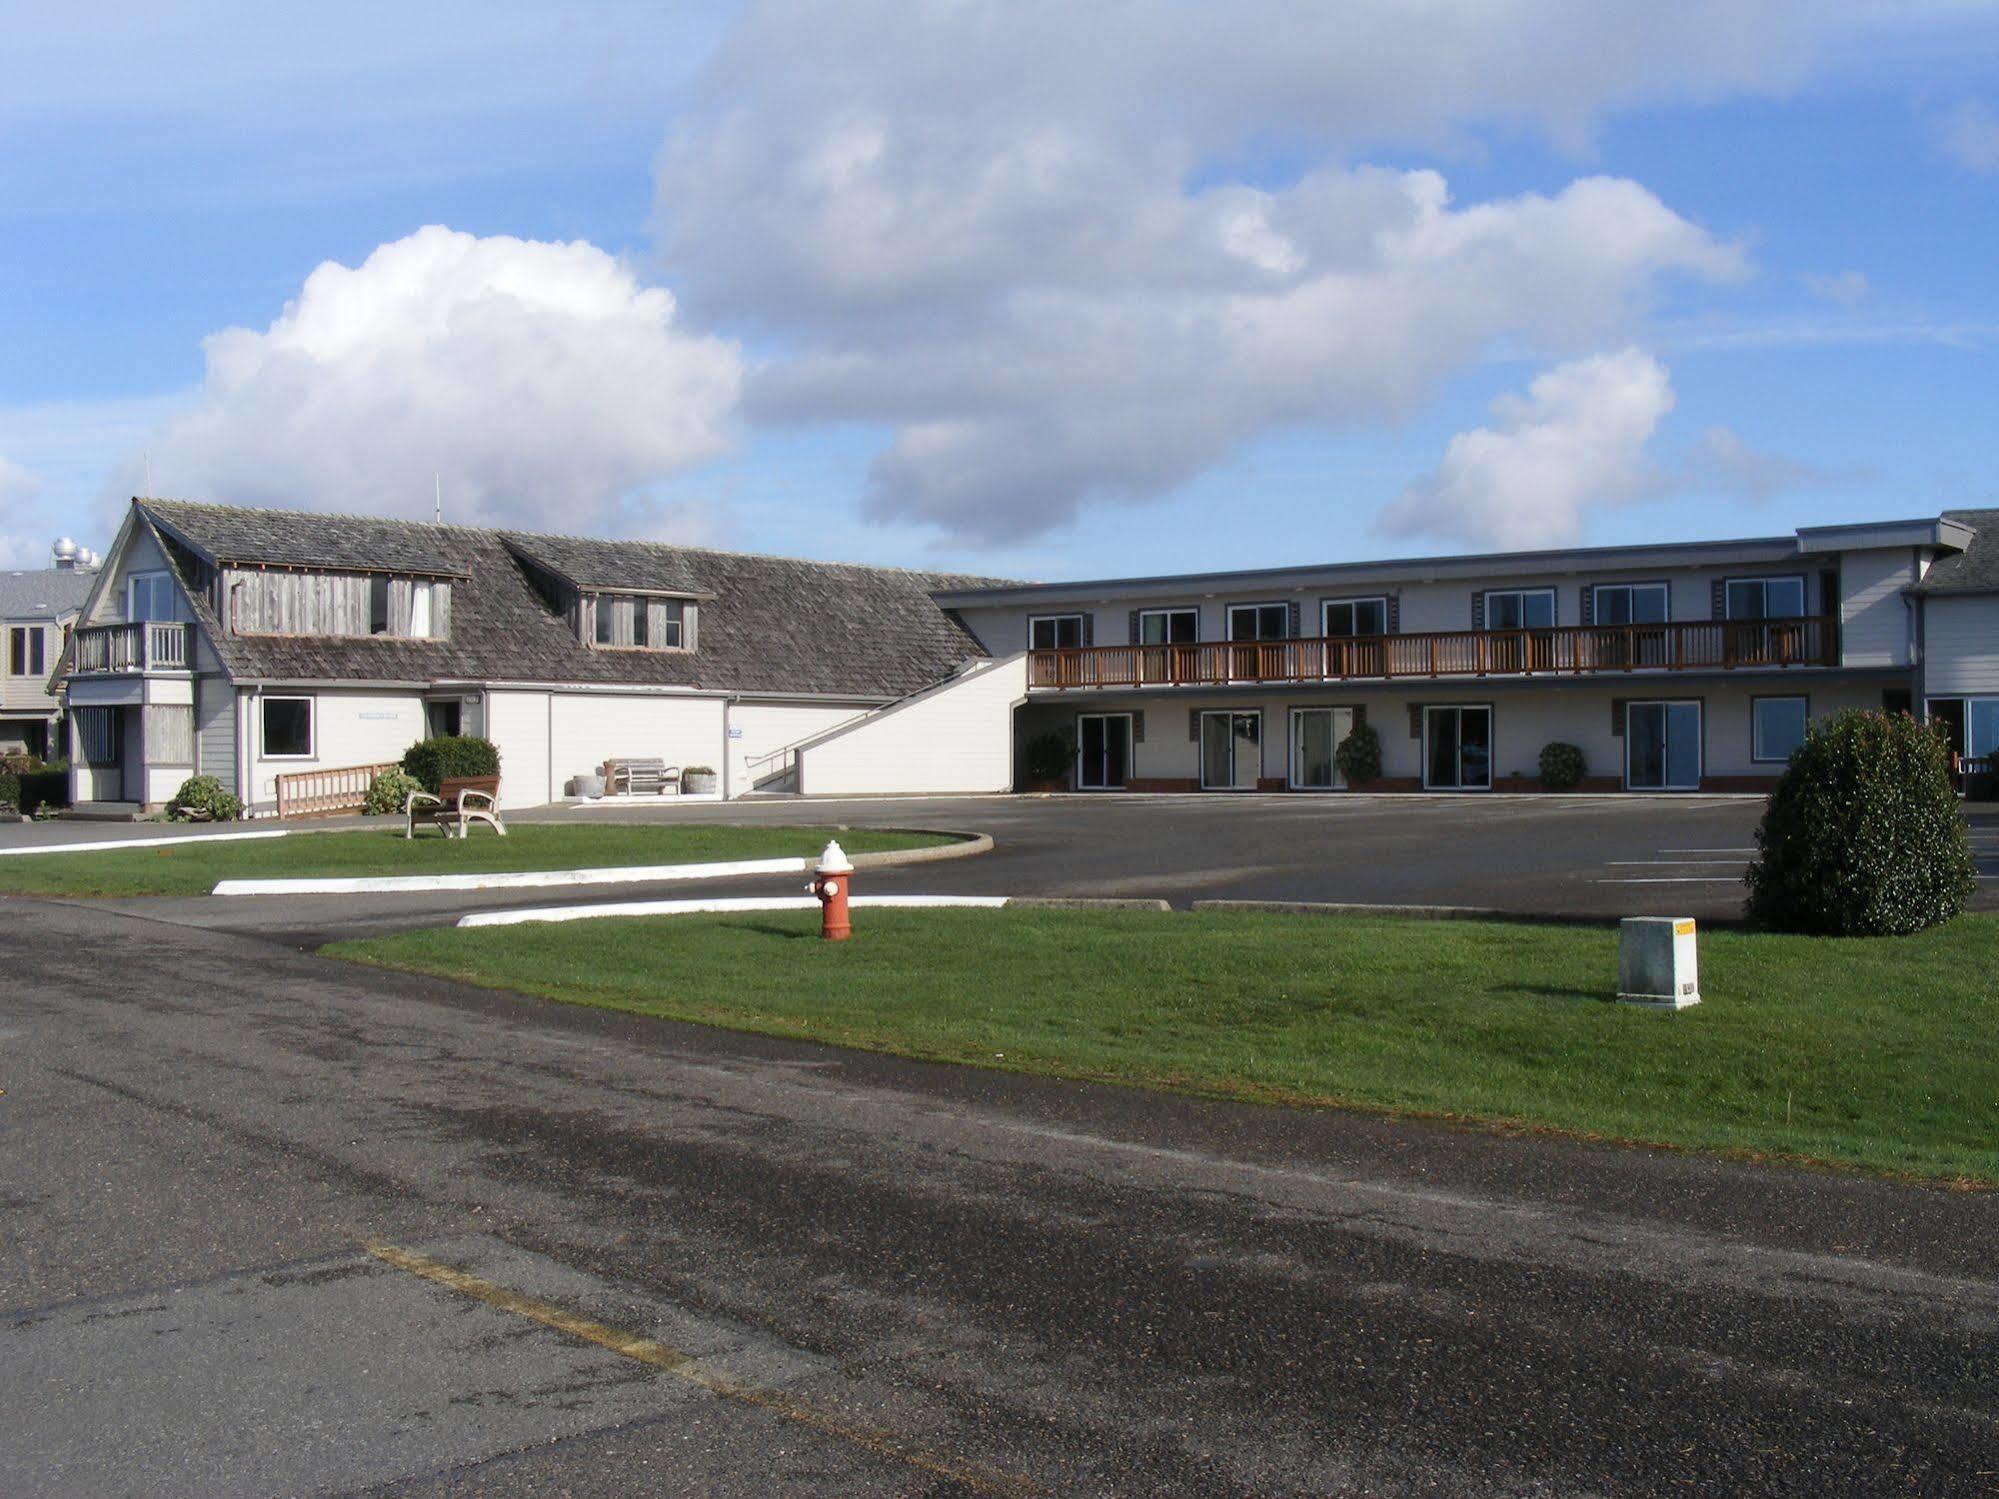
[[1562, 766], [27, 791], [450, 757], [1863, 836], [1359, 755]]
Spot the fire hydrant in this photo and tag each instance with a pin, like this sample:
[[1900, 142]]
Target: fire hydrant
[[830, 882]]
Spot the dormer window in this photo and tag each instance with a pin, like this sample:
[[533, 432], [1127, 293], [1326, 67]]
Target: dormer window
[[642, 622], [305, 602]]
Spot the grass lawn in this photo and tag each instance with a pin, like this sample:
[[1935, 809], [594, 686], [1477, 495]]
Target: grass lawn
[[193, 867], [1880, 1053]]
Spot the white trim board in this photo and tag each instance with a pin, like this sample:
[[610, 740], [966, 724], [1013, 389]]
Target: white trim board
[[523, 879], [724, 905]]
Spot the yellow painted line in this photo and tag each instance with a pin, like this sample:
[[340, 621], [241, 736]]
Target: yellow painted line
[[685, 1366]]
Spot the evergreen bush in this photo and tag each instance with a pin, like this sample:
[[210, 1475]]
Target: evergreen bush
[[1359, 755], [203, 799], [1562, 767], [1048, 756], [450, 757], [1862, 836], [389, 793]]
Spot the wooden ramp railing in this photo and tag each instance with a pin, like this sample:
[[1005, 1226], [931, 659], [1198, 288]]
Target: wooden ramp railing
[[317, 793]]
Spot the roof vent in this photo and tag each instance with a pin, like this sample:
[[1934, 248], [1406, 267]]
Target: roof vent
[[65, 554]]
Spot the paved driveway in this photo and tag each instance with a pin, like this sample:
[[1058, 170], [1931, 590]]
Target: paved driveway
[[1597, 857]]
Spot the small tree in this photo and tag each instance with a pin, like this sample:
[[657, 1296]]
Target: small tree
[[1359, 755], [1862, 836], [1562, 766], [450, 757]]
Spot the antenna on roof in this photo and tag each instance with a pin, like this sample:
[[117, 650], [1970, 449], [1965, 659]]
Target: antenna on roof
[[437, 499], [149, 475]]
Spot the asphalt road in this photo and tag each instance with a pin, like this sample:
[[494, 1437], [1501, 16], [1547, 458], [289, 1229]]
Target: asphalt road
[[1597, 857], [272, 1224]]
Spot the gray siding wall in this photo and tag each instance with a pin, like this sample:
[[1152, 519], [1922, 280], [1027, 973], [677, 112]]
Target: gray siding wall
[[1961, 646], [1874, 618], [215, 728]]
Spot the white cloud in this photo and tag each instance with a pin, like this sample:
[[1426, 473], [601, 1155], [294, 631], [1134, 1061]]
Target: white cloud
[[19, 548], [1971, 136], [1846, 288], [1073, 254], [540, 381], [1722, 461], [1576, 441]]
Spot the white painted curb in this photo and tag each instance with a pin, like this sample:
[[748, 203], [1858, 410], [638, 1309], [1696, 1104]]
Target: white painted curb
[[525, 879], [98, 846], [723, 905]]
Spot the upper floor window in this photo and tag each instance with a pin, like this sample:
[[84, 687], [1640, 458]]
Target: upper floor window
[[402, 607], [640, 622], [1765, 598], [1629, 604], [1259, 621], [1347, 617], [1169, 626], [1520, 609], [26, 651], [333, 605], [152, 597], [1055, 632]]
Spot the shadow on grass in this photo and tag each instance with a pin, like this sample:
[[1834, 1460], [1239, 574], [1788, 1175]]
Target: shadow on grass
[[1551, 991]]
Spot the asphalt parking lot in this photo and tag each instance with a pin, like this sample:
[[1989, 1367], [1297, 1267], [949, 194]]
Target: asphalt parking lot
[[1585, 857]]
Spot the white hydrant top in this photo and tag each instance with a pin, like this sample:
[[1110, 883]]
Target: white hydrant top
[[834, 860]]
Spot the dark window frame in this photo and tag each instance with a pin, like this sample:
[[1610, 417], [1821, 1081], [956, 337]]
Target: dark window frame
[[1082, 633], [1554, 606], [1284, 612], [311, 750], [1327, 605], [1170, 611], [1728, 586], [1663, 584]]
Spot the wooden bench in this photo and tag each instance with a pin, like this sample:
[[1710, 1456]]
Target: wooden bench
[[458, 804], [629, 777]]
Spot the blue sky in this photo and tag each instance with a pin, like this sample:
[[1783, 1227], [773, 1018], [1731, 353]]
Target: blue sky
[[1001, 290]]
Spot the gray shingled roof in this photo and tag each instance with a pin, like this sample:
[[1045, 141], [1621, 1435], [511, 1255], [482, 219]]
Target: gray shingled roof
[[43, 594], [772, 625], [293, 538], [607, 564], [1976, 568]]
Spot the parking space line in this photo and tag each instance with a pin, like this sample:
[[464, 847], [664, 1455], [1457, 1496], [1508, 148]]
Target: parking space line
[[1673, 879], [685, 1366]]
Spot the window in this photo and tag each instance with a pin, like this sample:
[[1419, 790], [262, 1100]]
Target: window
[[25, 651], [641, 625], [1055, 632], [1764, 598], [1457, 749], [422, 610], [640, 622], [1103, 751], [443, 716], [288, 728], [1662, 746], [152, 597], [607, 621], [1356, 617], [1629, 604], [1169, 626], [1231, 751], [378, 605], [1777, 727], [1259, 621], [1520, 609]]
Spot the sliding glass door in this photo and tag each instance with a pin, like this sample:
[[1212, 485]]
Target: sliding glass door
[[1103, 751], [1231, 750], [1662, 746], [1315, 740], [1457, 749]]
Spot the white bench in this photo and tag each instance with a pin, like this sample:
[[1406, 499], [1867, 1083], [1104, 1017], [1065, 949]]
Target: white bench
[[631, 777], [457, 805]]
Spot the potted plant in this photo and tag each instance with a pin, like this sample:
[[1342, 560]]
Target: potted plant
[[699, 780]]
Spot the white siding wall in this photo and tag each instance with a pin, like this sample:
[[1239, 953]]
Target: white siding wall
[[517, 723], [215, 729], [1874, 618], [955, 737], [590, 728], [349, 728], [1960, 645], [764, 728]]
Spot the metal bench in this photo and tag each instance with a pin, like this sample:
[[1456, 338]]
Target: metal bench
[[630, 777], [457, 804]]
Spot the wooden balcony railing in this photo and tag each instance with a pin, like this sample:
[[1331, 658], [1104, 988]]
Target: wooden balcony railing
[[1563, 650], [146, 645]]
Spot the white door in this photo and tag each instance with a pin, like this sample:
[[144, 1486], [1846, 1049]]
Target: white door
[[1316, 735]]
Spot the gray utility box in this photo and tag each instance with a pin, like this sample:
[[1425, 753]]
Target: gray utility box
[[1656, 966]]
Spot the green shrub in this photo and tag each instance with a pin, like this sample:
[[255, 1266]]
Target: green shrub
[[10, 789], [450, 757], [202, 799], [1359, 755], [1048, 756], [1562, 767], [1862, 836], [389, 793]]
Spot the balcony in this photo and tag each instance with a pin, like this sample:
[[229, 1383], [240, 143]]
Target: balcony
[[1561, 651], [148, 645]]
